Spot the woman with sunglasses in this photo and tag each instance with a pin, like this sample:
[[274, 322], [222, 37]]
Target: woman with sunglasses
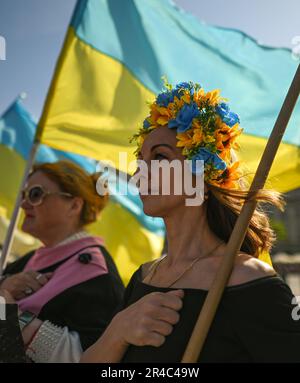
[[68, 289]]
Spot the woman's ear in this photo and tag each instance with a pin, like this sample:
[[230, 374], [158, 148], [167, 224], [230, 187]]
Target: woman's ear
[[76, 206]]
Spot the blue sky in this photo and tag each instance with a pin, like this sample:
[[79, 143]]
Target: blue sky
[[34, 31]]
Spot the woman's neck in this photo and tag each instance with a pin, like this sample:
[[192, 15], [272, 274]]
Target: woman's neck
[[53, 239], [188, 234]]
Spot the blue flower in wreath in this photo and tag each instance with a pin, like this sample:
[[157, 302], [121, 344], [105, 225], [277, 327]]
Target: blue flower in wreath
[[230, 118], [164, 98], [184, 86], [146, 124], [208, 158], [184, 118]]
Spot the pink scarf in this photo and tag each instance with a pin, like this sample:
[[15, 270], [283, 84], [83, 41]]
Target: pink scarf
[[68, 274]]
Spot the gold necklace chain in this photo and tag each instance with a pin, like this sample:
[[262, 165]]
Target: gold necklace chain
[[155, 265]]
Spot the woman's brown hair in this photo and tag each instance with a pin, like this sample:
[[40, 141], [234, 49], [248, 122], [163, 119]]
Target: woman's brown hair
[[223, 208], [71, 178]]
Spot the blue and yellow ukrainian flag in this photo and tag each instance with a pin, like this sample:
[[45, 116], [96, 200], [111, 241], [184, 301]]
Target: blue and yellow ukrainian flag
[[112, 61], [17, 130]]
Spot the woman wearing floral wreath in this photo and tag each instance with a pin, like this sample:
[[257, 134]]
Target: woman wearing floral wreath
[[254, 321]]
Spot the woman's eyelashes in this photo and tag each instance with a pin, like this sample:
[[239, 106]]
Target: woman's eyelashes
[[156, 156], [160, 156]]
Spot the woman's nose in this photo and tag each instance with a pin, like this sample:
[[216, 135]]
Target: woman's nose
[[25, 205]]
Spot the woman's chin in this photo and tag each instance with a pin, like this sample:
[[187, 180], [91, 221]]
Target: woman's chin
[[28, 228], [152, 206]]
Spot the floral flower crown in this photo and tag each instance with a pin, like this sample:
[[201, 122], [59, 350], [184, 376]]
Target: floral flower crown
[[206, 129]]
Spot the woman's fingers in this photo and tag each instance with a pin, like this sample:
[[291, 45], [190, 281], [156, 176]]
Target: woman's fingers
[[148, 321], [168, 315], [179, 293], [25, 283], [155, 339], [42, 279], [172, 299], [153, 318], [32, 282], [161, 327]]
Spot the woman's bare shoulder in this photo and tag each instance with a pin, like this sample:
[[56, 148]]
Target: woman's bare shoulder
[[248, 268], [146, 267]]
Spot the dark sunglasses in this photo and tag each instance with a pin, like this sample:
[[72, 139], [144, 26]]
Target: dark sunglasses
[[35, 194]]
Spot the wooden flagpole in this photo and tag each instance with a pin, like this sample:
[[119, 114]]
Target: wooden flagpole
[[234, 244]]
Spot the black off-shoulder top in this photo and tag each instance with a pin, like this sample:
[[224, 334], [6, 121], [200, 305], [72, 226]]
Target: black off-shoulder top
[[256, 321]]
